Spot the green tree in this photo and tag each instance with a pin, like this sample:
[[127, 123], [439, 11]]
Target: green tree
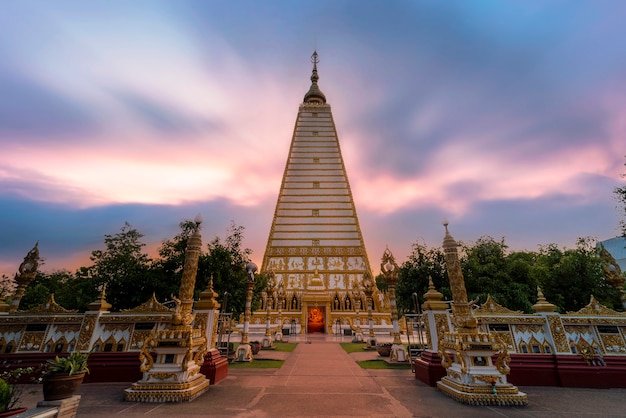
[[70, 291], [226, 262], [124, 268], [569, 277], [489, 269], [413, 276], [167, 271]]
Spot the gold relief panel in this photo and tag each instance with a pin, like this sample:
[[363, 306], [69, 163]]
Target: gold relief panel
[[486, 378], [441, 323], [12, 329], [32, 341], [578, 329], [528, 328], [336, 263], [65, 328], [214, 334], [116, 327], [138, 339], [506, 338], [613, 343], [134, 318], [295, 264], [593, 320], [512, 320], [86, 331], [163, 376], [276, 264], [558, 333]]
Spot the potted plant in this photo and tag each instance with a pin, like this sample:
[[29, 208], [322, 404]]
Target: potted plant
[[64, 375], [255, 346], [384, 349], [416, 349], [11, 392]]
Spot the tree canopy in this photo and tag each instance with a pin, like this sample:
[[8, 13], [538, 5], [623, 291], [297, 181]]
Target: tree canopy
[[567, 277], [131, 276]]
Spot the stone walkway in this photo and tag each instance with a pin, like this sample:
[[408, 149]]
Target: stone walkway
[[319, 379]]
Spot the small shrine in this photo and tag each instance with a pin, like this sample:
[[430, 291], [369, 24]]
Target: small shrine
[[471, 375]]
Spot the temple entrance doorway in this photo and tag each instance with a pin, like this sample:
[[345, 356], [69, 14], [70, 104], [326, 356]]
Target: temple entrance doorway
[[316, 319]]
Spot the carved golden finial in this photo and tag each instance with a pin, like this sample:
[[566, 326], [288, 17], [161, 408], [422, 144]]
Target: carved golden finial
[[208, 298], [314, 95], [100, 304], [434, 298], [542, 304]]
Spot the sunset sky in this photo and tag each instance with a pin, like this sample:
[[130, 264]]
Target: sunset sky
[[508, 118]]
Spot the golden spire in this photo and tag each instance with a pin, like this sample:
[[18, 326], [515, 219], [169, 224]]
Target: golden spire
[[463, 317], [314, 95], [100, 304], [542, 304], [434, 298]]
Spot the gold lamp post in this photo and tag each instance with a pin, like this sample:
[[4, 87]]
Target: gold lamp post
[[389, 270], [244, 351], [368, 289], [280, 297], [356, 297], [269, 292]]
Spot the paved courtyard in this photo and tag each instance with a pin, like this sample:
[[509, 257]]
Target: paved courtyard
[[319, 379]]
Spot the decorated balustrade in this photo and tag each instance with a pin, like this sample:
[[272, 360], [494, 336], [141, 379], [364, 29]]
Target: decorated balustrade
[[586, 348]]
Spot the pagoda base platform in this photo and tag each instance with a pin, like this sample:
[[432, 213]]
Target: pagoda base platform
[[499, 395], [143, 391]]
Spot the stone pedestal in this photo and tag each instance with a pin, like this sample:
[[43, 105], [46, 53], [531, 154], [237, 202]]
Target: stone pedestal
[[174, 376], [471, 376]]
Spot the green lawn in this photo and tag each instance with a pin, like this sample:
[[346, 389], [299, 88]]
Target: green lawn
[[258, 364], [285, 347], [353, 347], [380, 364]]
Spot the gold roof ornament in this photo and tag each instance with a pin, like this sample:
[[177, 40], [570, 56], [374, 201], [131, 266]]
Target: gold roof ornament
[[542, 304], [595, 308], [208, 298], [434, 298], [51, 306], [152, 305], [100, 304], [492, 307]]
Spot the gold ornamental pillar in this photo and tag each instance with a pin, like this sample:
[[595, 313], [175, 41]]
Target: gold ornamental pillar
[[466, 353], [390, 268], [174, 375], [368, 289], [269, 292], [244, 351]]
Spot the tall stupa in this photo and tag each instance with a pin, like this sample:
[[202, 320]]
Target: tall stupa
[[315, 247]]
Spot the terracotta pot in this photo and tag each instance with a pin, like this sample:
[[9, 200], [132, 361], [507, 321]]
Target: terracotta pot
[[383, 350], [58, 386], [12, 412]]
